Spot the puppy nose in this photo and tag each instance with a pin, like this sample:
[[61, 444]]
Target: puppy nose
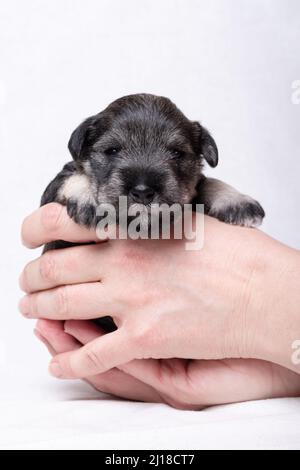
[[142, 194]]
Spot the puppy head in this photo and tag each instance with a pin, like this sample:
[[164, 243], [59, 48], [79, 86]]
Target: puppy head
[[143, 147]]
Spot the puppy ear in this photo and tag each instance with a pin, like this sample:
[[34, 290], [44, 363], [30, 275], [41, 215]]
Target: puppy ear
[[81, 137], [206, 145]]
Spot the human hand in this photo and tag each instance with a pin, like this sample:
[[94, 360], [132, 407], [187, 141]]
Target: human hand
[[180, 383], [215, 303]]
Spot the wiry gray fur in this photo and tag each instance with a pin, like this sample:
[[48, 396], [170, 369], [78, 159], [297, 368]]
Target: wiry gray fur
[[156, 146]]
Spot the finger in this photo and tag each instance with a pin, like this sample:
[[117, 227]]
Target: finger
[[65, 266], [52, 334], [98, 356], [80, 301], [84, 331], [129, 387], [117, 383], [45, 342], [51, 222], [114, 382]]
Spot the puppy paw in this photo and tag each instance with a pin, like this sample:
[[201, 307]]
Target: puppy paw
[[246, 212], [82, 214]]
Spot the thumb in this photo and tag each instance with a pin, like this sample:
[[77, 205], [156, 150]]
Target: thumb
[[96, 357]]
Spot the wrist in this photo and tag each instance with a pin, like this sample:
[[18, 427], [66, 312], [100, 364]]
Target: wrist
[[273, 307]]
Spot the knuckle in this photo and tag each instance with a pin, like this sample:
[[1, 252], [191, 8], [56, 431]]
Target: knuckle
[[69, 365], [34, 304], [48, 267], [145, 339], [73, 259], [51, 216], [61, 301], [135, 298], [94, 363]]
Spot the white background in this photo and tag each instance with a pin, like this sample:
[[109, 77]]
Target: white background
[[228, 63]]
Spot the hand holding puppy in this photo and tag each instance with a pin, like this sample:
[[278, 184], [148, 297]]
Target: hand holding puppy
[[236, 298]]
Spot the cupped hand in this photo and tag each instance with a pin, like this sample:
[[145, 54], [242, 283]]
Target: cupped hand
[[167, 302], [180, 383]]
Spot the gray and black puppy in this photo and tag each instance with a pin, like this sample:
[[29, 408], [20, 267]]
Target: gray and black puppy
[[143, 147]]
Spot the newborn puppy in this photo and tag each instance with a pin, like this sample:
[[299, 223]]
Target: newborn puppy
[[143, 147]]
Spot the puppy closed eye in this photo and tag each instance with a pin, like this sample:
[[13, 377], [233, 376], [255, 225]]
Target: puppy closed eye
[[110, 151]]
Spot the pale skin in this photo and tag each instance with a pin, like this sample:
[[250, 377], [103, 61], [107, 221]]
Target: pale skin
[[229, 313]]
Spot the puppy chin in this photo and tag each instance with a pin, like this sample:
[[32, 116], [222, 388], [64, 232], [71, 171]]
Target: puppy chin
[[141, 213], [152, 218]]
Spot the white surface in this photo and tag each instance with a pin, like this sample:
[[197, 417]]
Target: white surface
[[41, 414], [230, 64]]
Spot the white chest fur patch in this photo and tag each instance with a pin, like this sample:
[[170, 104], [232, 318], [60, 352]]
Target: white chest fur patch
[[77, 187]]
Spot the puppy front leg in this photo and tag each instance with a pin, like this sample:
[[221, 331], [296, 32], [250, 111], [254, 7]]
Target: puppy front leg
[[228, 205], [74, 190], [71, 189]]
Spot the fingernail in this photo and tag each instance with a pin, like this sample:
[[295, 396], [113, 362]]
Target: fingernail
[[24, 306], [55, 370]]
